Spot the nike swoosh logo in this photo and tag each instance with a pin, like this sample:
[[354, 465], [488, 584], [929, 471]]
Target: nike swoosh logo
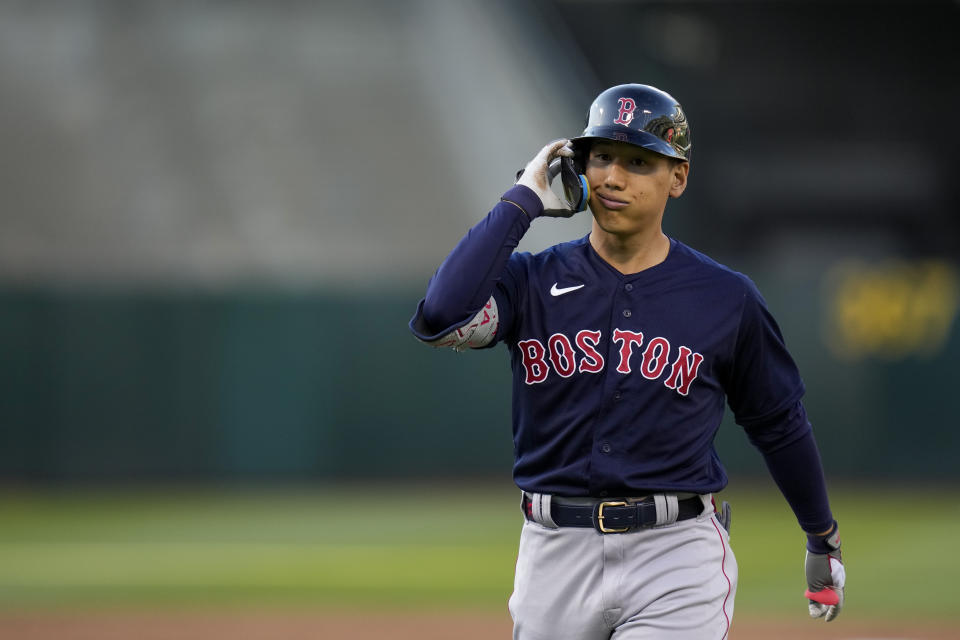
[[556, 291]]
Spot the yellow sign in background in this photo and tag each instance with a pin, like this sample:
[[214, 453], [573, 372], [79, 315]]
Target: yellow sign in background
[[890, 310]]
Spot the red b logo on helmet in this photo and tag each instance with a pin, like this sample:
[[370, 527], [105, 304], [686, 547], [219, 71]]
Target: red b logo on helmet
[[627, 105]]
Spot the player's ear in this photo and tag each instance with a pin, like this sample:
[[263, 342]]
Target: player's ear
[[678, 174]]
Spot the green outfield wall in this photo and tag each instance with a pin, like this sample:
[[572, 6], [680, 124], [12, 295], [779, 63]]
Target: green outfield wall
[[247, 385]]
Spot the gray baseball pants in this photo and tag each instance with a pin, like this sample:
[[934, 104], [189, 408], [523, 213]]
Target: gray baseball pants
[[671, 582]]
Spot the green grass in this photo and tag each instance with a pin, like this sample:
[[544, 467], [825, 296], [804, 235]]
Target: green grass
[[387, 545], [897, 550], [417, 547]]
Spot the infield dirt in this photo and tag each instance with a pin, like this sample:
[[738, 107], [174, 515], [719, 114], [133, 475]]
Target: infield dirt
[[394, 626]]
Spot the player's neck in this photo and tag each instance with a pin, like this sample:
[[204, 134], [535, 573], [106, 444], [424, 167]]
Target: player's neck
[[630, 253]]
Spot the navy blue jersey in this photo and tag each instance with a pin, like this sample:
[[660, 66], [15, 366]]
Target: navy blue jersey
[[620, 381]]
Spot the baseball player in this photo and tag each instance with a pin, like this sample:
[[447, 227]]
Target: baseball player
[[625, 345]]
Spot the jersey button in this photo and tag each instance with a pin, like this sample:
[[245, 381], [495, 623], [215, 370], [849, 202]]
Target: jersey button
[[606, 448], [617, 395], [627, 313], [628, 287]]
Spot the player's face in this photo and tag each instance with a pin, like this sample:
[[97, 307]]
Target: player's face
[[630, 186]]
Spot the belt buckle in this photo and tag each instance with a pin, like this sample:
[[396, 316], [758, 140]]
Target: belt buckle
[[603, 529]]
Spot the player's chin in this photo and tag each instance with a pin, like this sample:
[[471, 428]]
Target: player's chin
[[609, 220]]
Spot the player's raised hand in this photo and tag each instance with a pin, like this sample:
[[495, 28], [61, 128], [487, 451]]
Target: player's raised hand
[[540, 172], [825, 575]]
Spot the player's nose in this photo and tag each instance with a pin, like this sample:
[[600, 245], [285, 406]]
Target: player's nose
[[613, 177]]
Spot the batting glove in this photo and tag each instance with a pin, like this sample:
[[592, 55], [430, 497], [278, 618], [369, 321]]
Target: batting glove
[[825, 574], [540, 172]]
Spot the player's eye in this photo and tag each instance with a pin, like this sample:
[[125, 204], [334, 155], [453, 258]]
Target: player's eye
[[600, 155]]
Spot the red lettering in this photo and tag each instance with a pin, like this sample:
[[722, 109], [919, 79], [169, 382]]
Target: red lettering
[[655, 358], [561, 355], [629, 338], [684, 371], [532, 353], [592, 361]]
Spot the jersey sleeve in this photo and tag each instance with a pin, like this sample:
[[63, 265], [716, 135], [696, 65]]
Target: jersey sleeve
[[467, 279], [509, 294], [765, 395], [764, 383]]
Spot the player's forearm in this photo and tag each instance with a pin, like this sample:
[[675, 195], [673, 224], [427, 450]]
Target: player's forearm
[[465, 280], [798, 472]]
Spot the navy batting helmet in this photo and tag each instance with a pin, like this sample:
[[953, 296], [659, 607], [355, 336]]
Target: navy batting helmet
[[638, 114]]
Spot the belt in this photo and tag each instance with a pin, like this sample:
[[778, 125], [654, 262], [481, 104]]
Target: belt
[[610, 516]]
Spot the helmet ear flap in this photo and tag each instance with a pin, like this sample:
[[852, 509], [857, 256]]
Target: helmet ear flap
[[576, 189], [581, 151]]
